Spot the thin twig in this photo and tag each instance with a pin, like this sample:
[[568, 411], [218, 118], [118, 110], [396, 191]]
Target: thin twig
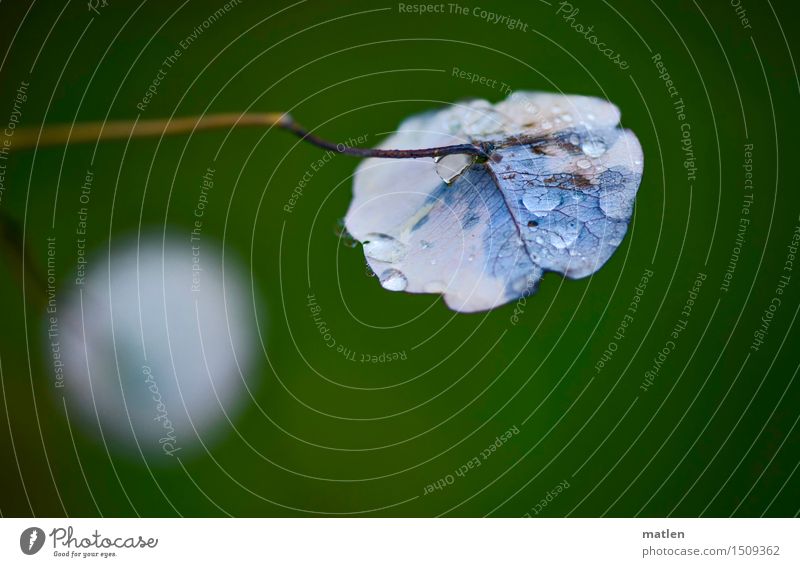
[[86, 132]]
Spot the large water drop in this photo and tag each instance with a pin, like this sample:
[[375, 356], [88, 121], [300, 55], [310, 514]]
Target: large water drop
[[393, 280], [536, 201], [384, 248], [451, 166]]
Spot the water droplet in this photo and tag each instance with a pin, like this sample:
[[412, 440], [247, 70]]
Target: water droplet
[[566, 117], [574, 139], [537, 201], [433, 262], [424, 244], [393, 280], [546, 125], [340, 229], [593, 148], [539, 240], [434, 287], [449, 167], [384, 248], [471, 258], [584, 163]]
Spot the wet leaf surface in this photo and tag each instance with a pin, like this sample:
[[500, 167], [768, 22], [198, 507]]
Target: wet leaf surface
[[556, 196]]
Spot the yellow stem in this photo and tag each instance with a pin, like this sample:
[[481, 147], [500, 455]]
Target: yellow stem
[[85, 132]]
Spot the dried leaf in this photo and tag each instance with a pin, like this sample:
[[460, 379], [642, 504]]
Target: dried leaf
[[556, 196]]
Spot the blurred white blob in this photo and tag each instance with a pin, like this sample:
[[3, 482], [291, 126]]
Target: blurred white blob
[[168, 344]]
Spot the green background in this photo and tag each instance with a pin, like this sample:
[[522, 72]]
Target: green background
[[714, 435]]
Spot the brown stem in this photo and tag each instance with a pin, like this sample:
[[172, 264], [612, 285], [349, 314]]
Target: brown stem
[[87, 132], [84, 132]]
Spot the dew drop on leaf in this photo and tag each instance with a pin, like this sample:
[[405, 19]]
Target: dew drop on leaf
[[539, 200], [384, 248], [451, 166], [393, 280], [593, 148]]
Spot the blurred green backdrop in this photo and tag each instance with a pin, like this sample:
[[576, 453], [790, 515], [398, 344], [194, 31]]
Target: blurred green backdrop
[[714, 434]]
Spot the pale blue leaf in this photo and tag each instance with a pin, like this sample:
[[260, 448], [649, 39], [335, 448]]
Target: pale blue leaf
[[556, 196]]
